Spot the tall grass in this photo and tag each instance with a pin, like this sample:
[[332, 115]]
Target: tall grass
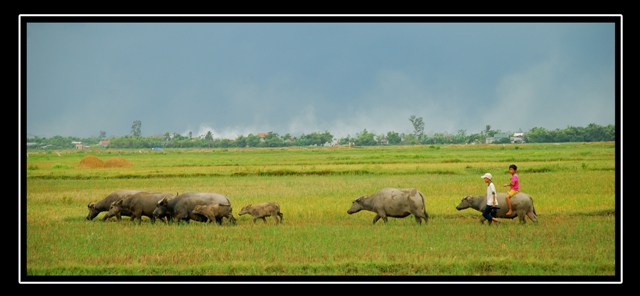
[[573, 187]]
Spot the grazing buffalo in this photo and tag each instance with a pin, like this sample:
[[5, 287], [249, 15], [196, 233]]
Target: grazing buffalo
[[138, 205], [262, 210], [103, 205], [213, 212], [392, 202], [180, 207], [521, 204]]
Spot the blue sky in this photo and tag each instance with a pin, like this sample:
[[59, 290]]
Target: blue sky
[[248, 77]]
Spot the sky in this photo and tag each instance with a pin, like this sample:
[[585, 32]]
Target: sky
[[251, 76]]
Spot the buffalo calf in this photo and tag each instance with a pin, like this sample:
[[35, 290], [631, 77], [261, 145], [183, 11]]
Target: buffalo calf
[[262, 210], [215, 212]]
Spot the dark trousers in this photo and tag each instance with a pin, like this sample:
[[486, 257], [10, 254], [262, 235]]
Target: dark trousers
[[486, 213]]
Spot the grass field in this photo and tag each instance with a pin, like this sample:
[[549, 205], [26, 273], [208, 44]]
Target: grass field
[[573, 186]]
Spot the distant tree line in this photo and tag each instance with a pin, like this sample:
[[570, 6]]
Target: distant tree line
[[591, 133]]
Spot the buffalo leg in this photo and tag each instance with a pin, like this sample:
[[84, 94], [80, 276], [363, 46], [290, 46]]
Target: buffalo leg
[[419, 216], [384, 217], [425, 216], [281, 216], [376, 218], [264, 220], [532, 216]]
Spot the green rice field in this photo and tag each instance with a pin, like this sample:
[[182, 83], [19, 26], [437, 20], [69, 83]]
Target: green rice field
[[574, 186]]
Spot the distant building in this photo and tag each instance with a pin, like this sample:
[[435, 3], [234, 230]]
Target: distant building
[[496, 138], [517, 138], [104, 143], [262, 135]]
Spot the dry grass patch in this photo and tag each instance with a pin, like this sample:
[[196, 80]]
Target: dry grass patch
[[117, 162], [91, 161]]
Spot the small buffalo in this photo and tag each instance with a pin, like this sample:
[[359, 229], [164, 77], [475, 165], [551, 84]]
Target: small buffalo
[[263, 210], [138, 205], [521, 204], [392, 202], [103, 205], [215, 212], [180, 207]]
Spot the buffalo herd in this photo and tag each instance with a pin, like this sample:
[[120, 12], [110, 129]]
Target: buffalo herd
[[209, 206], [197, 206]]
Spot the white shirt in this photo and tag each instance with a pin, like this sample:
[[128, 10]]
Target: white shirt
[[491, 189]]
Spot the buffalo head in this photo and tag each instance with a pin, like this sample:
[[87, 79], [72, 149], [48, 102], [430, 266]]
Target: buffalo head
[[114, 209], [161, 209], [464, 203], [92, 211], [356, 205], [245, 210]]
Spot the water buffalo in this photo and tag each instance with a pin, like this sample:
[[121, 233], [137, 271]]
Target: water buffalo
[[138, 205], [213, 212], [521, 204], [103, 205], [392, 202], [262, 210], [181, 207]]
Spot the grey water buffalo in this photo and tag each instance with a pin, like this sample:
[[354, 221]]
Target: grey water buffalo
[[521, 204], [103, 205], [392, 202], [180, 207], [138, 205], [262, 210], [214, 212]]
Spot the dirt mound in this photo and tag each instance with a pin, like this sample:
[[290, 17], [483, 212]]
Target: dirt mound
[[91, 161], [117, 162], [94, 162]]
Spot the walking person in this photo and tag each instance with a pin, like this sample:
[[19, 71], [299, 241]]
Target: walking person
[[515, 186], [492, 200]]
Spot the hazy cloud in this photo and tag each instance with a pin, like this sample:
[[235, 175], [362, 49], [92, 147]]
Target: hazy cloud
[[239, 78]]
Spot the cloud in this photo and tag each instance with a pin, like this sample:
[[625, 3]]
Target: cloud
[[228, 132], [236, 79], [550, 94]]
